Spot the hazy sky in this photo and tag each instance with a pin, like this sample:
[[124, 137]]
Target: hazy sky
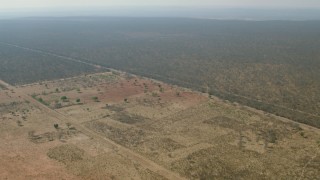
[[13, 4]]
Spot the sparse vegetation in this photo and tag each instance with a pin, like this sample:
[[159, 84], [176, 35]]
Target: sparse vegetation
[[161, 89], [154, 94], [19, 123], [57, 105], [64, 98], [34, 96], [96, 99], [68, 125]]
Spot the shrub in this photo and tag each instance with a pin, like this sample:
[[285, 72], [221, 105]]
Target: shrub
[[96, 99], [58, 105]]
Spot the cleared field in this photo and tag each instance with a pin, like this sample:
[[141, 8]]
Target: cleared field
[[119, 126]]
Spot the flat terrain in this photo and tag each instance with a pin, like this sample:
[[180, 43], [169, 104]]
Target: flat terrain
[[273, 66], [115, 125], [22, 66]]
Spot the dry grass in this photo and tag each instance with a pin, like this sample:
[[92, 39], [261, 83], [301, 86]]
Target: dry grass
[[189, 134]]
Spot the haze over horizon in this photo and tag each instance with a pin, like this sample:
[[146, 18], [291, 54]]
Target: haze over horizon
[[13, 4], [216, 9]]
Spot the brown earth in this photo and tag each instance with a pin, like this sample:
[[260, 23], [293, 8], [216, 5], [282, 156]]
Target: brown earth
[[128, 127]]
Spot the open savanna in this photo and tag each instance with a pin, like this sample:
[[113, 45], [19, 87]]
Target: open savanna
[[115, 125]]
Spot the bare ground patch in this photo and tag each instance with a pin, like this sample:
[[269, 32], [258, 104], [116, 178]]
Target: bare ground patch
[[163, 144], [60, 134], [225, 122], [125, 136], [66, 153], [128, 118]]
